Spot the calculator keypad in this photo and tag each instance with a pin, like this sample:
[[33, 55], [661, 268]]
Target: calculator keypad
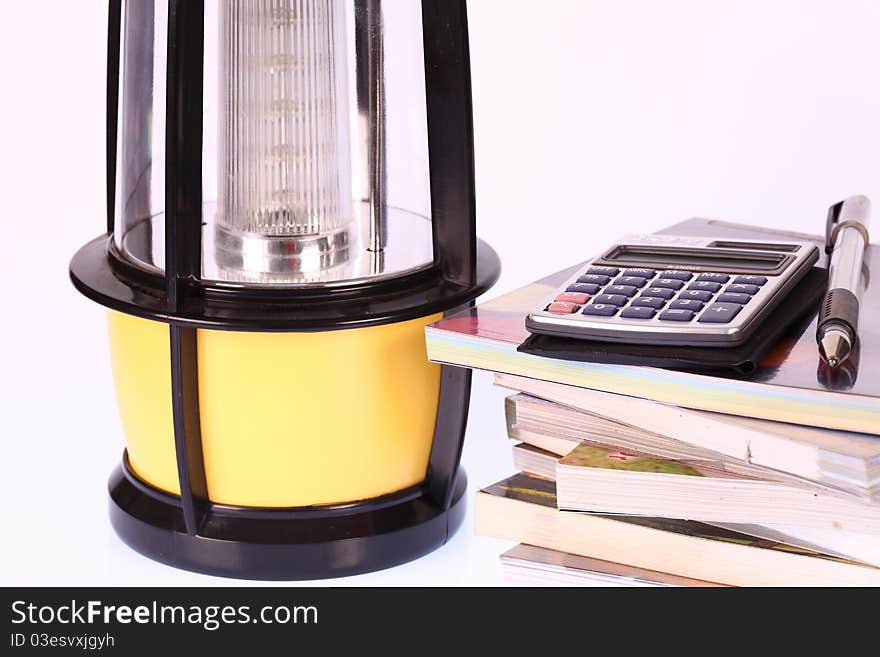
[[669, 296], [706, 293]]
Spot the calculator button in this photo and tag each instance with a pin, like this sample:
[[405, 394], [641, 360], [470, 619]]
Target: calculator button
[[677, 274], [704, 286], [751, 280], [583, 288], [714, 278], [733, 297], [625, 290], [603, 271], [562, 308], [595, 279], [573, 297], [687, 304], [640, 273], [720, 313], [742, 289], [603, 309], [662, 292], [635, 281], [698, 295], [677, 315], [648, 302], [638, 312], [611, 299], [668, 283]]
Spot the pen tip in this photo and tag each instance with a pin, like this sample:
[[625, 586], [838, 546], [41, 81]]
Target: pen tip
[[834, 347]]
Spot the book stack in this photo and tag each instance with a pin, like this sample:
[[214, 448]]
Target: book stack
[[639, 476]]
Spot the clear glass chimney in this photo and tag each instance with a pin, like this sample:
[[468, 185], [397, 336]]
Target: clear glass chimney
[[314, 145]]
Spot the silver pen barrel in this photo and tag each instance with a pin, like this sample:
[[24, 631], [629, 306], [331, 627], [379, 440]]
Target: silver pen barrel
[[845, 270], [838, 322]]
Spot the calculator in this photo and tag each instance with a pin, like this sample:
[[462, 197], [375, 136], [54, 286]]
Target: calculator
[[675, 290]]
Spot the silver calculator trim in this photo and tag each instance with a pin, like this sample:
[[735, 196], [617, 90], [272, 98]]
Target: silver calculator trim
[[656, 331]]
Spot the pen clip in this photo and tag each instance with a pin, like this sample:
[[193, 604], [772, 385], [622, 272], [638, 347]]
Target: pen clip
[[831, 224]]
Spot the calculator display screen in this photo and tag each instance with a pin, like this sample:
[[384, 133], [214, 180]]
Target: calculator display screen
[[697, 258]]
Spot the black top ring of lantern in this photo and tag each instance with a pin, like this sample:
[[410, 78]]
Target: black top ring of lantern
[[462, 267]]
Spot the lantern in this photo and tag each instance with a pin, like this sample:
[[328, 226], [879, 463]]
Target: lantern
[[291, 201]]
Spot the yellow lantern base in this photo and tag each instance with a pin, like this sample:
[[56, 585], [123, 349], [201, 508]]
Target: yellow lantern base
[[287, 419]]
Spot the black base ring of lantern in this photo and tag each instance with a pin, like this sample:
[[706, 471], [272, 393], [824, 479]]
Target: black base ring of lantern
[[283, 544]]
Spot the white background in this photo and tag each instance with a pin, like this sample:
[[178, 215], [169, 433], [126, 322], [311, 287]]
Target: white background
[[593, 119]]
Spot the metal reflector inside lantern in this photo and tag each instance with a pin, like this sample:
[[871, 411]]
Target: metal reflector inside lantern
[[291, 195]]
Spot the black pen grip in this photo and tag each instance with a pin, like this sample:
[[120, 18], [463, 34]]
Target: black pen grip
[[840, 307]]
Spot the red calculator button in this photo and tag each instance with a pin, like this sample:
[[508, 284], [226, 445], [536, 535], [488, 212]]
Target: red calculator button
[[562, 307], [573, 297]]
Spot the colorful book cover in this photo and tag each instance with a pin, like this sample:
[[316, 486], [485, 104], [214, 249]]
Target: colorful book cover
[[590, 456], [790, 385]]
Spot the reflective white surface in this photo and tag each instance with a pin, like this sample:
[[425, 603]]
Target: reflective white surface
[[617, 117]]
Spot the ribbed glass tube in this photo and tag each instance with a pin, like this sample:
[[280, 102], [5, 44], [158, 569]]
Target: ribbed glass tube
[[284, 152]]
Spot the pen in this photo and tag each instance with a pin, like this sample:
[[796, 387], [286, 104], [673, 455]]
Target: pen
[[846, 237]]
